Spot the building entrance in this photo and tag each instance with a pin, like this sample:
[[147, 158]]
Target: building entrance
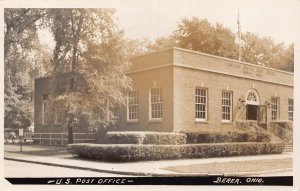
[[252, 101], [251, 112]]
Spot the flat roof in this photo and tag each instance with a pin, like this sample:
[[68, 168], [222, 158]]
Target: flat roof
[[208, 55], [184, 58]]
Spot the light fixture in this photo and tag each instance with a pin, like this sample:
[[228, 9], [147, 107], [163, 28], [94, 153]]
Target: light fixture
[[242, 102], [267, 103]]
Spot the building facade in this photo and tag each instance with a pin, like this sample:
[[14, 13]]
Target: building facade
[[177, 90], [49, 114]]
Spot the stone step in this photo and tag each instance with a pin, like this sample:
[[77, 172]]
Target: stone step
[[288, 148]]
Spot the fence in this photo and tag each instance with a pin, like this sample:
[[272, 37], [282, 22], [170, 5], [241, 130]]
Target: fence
[[59, 138]]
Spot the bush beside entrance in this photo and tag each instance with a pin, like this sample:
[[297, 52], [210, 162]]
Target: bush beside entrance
[[223, 137], [144, 137], [135, 152]]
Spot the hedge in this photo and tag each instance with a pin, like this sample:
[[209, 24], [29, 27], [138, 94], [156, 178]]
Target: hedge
[[153, 138], [133, 152], [221, 137]]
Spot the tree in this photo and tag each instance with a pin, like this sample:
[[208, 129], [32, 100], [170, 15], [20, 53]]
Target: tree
[[263, 51], [162, 43], [20, 54], [201, 35], [89, 43]]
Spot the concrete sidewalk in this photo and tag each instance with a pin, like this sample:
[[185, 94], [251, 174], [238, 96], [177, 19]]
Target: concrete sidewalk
[[59, 157]]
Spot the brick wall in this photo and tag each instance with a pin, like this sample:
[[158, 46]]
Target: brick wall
[[179, 72], [183, 70], [49, 86], [184, 96], [143, 81]]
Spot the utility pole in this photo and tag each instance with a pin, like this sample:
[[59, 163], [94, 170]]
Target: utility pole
[[239, 35]]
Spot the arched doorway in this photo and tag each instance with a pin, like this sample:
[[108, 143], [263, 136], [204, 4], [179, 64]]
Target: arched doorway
[[252, 103]]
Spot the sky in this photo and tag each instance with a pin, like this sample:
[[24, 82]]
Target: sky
[[279, 19]]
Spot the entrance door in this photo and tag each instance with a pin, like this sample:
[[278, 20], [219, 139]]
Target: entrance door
[[251, 112], [262, 116]]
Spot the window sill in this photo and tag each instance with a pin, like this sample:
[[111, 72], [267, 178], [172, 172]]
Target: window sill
[[199, 121], [132, 121], [155, 121], [227, 122]]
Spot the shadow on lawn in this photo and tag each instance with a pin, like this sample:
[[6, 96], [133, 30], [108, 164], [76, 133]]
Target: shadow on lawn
[[43, 151]]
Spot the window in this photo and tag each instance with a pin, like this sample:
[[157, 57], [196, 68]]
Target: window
[[114, 112], [275, 107], [132, 106], [45, 109], [290, 109], [201, 104], [58, 118], [226, 106], [156, 103]]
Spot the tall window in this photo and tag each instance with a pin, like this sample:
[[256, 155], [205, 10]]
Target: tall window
[[114, 112], [275, 107], [45, 109], [226, 106], [290, 109], [156, 103], [58, 115], [201, 104], [132, 106]]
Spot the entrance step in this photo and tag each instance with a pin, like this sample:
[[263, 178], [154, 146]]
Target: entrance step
[[288, 148]]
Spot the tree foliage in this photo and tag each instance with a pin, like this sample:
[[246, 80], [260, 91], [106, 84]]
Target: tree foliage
[[216, 39], [264, 52], [89, 43], [201, 35], [21, 64]]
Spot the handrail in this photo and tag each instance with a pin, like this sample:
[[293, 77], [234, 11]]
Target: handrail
[[285, 130], [262, 130], [60, 133], [62, 138], [286, 135]]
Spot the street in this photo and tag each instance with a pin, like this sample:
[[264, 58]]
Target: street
[[23, 169]]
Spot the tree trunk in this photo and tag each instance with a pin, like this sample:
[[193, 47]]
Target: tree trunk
[[70, 132]]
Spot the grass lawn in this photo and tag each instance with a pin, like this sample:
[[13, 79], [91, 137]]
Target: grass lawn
[[38, 150], [231, 167]]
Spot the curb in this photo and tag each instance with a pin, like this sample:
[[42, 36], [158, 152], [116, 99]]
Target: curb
[[107, 171], [149, 174], [78, 167]]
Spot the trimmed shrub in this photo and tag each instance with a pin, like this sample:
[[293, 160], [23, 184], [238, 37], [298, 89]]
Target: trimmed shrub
[[124, 138], [245, 125], [223, 137], [131, 152], [153, 138]]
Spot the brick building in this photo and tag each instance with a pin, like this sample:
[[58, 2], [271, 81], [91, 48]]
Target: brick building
[[178, 89]]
